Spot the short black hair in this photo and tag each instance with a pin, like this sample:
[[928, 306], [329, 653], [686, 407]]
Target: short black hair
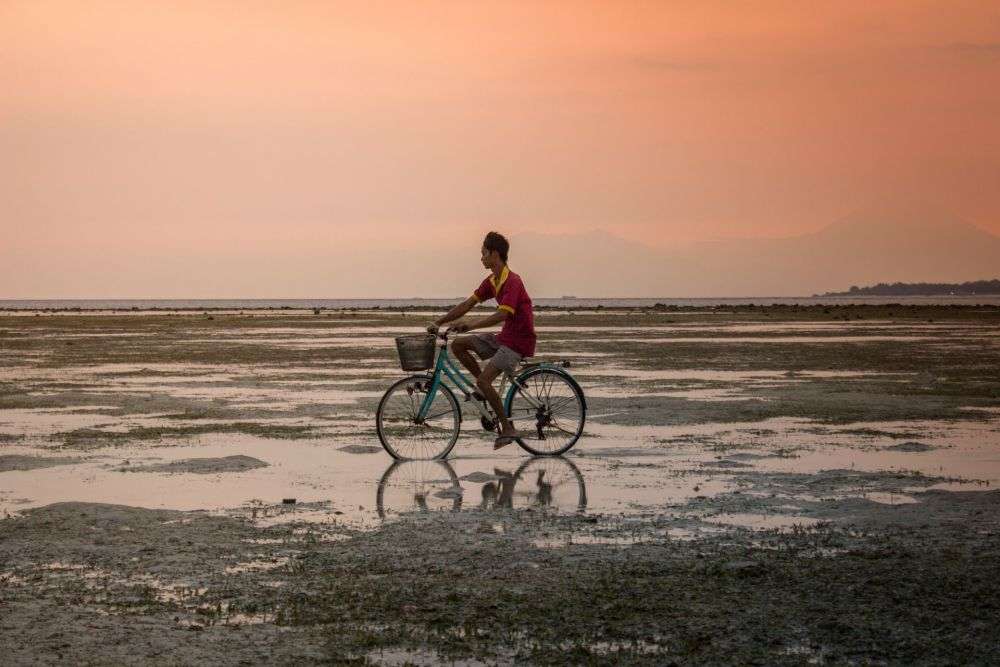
[[496, 241]]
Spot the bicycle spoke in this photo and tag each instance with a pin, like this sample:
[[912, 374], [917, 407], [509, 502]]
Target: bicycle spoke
[[560, 428], [556, 405], [406, 403], [538, 389]]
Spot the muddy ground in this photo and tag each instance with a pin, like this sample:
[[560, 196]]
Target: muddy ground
[[780, 485]]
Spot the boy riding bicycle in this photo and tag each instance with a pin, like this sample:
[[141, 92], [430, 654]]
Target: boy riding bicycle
[[504, 351]]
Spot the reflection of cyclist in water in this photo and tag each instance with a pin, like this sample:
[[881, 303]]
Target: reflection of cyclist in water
[[552, 482], [544, 489], [499, 494], [420, 500], [516, 339]]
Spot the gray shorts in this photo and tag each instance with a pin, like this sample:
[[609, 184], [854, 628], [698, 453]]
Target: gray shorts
[[501, 356]]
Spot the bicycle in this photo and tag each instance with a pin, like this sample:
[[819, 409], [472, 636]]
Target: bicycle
[[419, 417]]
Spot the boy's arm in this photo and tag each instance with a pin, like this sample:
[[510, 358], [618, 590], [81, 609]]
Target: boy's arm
[[490, 320], [457, 311]]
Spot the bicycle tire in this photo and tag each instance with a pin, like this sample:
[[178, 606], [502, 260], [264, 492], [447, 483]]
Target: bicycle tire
[[431, 451], [531, 445]]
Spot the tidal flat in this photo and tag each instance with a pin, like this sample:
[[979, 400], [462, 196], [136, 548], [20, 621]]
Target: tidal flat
[[767, 485]]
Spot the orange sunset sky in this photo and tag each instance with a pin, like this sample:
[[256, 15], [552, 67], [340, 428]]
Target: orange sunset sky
[[293, 148]]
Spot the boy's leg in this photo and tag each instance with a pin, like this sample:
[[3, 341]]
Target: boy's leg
[[485, 384], [485, 345], [461, 347]]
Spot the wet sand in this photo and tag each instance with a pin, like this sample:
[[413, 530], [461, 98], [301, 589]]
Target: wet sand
[[778, 485]]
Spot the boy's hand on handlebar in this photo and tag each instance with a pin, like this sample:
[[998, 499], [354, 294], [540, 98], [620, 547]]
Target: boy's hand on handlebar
[[432, 328]]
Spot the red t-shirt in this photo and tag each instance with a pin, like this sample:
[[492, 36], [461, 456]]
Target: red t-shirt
[[518, 332]]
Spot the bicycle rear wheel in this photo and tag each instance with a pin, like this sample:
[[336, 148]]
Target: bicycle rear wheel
[[549, 403], [403, 435]]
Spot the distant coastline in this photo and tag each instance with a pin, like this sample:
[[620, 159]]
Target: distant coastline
[[974, 288], [432, 304]]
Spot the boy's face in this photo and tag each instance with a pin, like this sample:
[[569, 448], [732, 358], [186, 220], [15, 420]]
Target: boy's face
[[487, 258]]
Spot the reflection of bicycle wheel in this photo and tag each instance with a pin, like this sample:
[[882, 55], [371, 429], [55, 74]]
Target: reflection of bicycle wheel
[[413, 486], [550, 481]]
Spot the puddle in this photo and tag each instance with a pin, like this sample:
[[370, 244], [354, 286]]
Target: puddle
[[969, 451], [617, 468], [891, 498], [41, 422]]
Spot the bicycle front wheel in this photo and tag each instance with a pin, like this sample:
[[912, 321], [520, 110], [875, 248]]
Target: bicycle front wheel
[[405, 436], [549, 404]]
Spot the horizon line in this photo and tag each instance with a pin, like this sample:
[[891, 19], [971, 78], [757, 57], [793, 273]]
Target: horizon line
[[451, 298]]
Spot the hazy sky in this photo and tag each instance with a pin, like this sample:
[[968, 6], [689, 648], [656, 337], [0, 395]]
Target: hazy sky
[[217, 148]]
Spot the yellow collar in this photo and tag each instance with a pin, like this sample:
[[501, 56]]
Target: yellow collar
[[497, 284]]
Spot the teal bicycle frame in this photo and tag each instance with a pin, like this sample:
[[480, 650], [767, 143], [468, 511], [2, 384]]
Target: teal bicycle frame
[[446, 368]]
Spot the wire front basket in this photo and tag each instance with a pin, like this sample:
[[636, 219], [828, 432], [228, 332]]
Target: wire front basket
[[416, 353]]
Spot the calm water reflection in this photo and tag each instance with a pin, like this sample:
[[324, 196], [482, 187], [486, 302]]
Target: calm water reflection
[[550, 482]]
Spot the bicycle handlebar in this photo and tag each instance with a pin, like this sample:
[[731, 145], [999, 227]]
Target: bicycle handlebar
[[443, 334]]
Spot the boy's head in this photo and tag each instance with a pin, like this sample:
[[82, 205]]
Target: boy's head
[[494, 243]]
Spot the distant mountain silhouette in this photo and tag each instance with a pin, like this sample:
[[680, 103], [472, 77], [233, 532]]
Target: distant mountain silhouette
[[861, 249]]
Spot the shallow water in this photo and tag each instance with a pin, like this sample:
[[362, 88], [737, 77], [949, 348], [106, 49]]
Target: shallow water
[[619, 470], [615, 470]]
